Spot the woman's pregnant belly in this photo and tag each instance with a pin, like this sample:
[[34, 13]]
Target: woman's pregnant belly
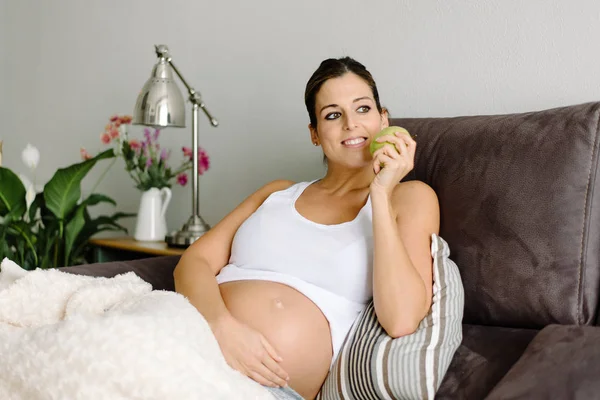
[[293, 325]]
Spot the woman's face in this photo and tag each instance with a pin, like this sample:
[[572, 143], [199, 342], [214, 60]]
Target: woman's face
[[347, 120]]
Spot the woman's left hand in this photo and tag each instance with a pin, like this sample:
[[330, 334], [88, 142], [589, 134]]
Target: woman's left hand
[[389, 165]]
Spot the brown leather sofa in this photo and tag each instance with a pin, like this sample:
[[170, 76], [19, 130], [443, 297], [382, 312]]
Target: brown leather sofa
[[520, 213]]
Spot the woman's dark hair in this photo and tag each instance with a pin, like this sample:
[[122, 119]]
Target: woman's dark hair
[[334, 68]]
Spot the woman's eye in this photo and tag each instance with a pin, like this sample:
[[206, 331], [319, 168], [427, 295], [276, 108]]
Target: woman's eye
[[332, 115], [364, 109]]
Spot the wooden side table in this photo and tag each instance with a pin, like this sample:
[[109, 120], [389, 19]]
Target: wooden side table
[[127, 248]]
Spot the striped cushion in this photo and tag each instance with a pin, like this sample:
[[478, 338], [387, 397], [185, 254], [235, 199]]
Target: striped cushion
[[372, 365]]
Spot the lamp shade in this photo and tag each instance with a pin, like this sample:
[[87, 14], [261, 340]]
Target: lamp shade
[[160, 102]]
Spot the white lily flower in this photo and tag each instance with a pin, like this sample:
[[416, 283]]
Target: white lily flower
[[30, 190], [30, 196], [31, 156]]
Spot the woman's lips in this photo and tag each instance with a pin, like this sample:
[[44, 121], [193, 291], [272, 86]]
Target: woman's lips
[[355, 142]]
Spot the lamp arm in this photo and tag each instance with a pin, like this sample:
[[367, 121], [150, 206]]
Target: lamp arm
[[195, 98]]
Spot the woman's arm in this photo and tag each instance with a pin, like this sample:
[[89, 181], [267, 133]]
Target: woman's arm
[[195, 279], [244, 349], [403, 223]]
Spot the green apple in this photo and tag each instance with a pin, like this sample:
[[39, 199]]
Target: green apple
[[390, 130]]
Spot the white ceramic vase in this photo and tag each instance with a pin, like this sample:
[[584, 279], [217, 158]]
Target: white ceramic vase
[[151, 222]]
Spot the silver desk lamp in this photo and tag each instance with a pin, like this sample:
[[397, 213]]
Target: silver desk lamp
[[161, 104]]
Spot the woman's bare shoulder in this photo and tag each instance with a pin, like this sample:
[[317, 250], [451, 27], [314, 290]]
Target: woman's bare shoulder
[[417, 203], [413, 188], [277, 185], [259, 196], [414, 194]]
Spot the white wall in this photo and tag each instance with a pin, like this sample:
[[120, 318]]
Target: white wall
[[74, 63]]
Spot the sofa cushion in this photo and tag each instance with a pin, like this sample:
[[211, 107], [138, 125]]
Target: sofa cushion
[[518, 211], [483, 358], [541, 374], [157, 271], [372, 365]]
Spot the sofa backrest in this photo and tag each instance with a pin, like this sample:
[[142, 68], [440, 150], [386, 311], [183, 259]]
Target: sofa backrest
[[518, 210]]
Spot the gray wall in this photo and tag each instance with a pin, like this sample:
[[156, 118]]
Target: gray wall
[[4, 113], [74, 63]]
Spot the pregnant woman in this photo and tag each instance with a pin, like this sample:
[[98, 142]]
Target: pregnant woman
[[281, 278]]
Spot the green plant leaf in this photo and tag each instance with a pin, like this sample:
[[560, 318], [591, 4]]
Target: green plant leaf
[[78, 221], [63, 191], [39, 203], [105, 220], [35, 206], [94, 226], [12, 194], [5, 247], [22, 230], [47, 236], [58, 213], [73, 228], [96, 198]]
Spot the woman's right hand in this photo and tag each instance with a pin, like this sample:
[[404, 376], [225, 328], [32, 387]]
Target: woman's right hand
[[249, 352]]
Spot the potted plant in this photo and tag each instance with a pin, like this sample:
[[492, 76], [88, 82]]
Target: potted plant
[[51, 228]]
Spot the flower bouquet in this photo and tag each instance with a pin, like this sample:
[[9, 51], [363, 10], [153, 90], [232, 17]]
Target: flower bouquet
[[148, 165], [146, 162]]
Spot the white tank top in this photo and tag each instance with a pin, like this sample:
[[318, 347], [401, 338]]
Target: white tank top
[[332, 265]]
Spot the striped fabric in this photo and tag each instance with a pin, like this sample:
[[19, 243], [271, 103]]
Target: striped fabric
[[372, 365]]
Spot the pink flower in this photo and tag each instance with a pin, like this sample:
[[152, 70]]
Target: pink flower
[[114, 118], [148, 162], [135, 144], [105, 138], [182, 179], [114, 133], [84, 154], [118, 123], [164, 154], [203, 161], [126, 119]]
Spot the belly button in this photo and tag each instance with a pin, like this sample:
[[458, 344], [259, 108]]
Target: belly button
[[278, 303]]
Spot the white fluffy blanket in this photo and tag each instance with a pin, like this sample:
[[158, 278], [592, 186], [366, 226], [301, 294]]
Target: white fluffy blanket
[[65, 336]]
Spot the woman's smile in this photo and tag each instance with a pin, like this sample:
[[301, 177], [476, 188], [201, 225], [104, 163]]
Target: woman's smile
[[355, 142]]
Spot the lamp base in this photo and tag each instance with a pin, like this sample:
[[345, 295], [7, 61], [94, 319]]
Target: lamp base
[[189, 233]]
